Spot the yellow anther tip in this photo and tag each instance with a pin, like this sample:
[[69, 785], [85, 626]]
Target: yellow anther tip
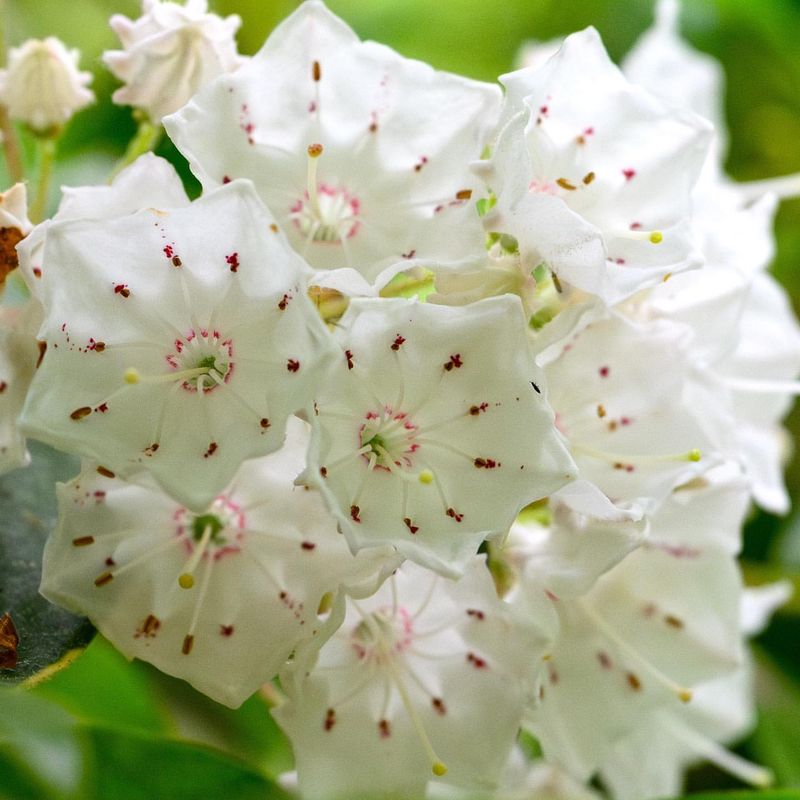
[[656, 237], [426, 476], [439, 769], [131, 375], [186, 581], [685, 695], [695, 455]]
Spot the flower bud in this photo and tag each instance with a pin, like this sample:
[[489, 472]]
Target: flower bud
[[42, 85], [170, 52]]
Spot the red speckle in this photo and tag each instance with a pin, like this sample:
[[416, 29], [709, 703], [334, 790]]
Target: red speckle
[[330, 719], [625, 420], [212, 448], [264, 423], [307, 546], [476, 661], [102, 408], [233, 261], [3, 386], [543, 110], [226, 179], [284, 301], [110, 562], [475, 410], [348, 354], [605, 660], [323, 471], [122, 289], [384, 729], [410, 254], [439, 706], [226, 630], [292, 365], [37, 272], [168, 251], [410, 525], [420, 164], [476, 613], [635, 226], [486, 463], [629, 174], [455, 362], [551, 595], [453, 514], [398, 341], [355, 511], [604, 372]]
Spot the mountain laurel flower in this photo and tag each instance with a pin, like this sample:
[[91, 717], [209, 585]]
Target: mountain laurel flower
[[149, 182], [432, 430], [593, 175], [663, 620], [219, 598], [425, 680], [42, 85], [169, 53], [361, 155], [178, 341]]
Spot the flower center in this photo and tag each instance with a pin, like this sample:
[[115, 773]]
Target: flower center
[[390, 438], [325, 213], [203, 360], [382, 635]]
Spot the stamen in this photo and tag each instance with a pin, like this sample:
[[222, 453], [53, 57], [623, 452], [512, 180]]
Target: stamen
[[632, 458], [133, 376], [314, 152], [681, 692], [654, 237], [186, 578]]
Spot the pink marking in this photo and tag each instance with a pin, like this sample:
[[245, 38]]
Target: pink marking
[[226, 179], [232, 261], [226, 630], [476, 661], [396, 344], [604, 372], [348, 354], [629, 174], [292, 365]]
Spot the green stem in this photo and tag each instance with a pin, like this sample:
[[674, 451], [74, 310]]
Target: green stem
[[11, 147], [46, 156], [146, 139], [10, 141]]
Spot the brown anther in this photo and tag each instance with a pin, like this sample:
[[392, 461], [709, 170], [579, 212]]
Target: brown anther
[[106, 473], [588, 178], [315, 150], [83, 541], [464, 194], [316, 71], [633, 681], [565, 184], [188, 643], [80, 413], [673, 622], [601, 410], [103, 579]]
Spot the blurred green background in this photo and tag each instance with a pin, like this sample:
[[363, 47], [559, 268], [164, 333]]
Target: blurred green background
[[117, 715]]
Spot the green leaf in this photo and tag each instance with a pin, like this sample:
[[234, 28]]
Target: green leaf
[[104, 688], [41, 754], [130, 766], [27, 498], [776, 740]]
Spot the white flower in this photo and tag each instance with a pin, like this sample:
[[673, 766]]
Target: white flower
[[664, 64], [433, 429], [219, 598], [170, 53], [426, 676], [359, 153], [178, 341], [661, 622], [593, 175], [651, 761], [149, 182], [42, 85], [638, 418], [14, 227]]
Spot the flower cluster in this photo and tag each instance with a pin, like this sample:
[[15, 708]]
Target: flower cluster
[[443, 405]]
